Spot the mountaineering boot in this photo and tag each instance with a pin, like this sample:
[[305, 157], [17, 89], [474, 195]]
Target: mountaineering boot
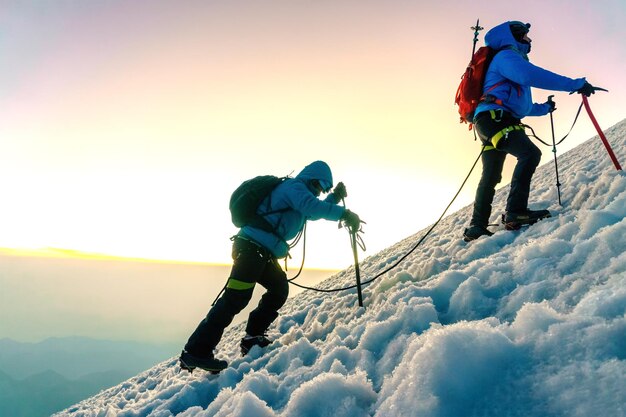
[[189, 362], [474, 232], [249, 341], [513, 221]]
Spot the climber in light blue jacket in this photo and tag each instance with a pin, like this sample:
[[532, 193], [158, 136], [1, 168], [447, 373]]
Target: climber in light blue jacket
[[255, 260], [505, 101], [292, 203]]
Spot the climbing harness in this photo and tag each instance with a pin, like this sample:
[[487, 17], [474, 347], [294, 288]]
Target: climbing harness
[[504, 133], [294, 242]]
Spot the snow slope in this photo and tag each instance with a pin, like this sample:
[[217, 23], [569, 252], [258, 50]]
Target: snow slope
[[528, 323]]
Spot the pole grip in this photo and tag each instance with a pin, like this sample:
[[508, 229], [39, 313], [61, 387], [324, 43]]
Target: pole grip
[[552, 108]]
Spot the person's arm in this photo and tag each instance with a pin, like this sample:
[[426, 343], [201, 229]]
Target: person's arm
[[514, 67], [301, 199]]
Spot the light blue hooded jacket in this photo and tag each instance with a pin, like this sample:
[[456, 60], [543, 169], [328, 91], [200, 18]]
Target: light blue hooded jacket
[[297, 196], [516, 75]]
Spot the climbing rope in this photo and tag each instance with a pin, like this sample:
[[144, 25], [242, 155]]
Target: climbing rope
[[406, 254], [564, 137]]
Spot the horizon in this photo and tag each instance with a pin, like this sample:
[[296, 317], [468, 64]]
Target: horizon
[[55, 293], [78, 254], [49, 252]]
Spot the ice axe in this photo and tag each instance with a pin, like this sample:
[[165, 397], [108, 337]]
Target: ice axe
[[476, 30], [357, 271], [354, 238], [600, 132]]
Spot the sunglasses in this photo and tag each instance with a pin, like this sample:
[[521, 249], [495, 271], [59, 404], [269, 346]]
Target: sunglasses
[[323, 185]]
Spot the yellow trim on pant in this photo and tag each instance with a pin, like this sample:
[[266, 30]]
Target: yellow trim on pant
[[235, 284]]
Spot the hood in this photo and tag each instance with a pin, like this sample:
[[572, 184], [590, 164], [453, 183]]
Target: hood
[[500, 37], [318, 170]]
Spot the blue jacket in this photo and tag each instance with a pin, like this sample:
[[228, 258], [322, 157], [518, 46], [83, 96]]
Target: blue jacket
[[516, 75], [297, 196]]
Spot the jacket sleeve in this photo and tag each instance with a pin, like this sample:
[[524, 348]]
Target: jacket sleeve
[[511, 65], [330, 198], [301, 199], [539, 109]]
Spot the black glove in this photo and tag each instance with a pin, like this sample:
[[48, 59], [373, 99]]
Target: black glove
[[587, 89], [340, 192], [351, 219], [551, 104]]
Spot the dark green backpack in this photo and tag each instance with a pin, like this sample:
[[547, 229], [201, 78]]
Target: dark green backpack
[[246, 199]]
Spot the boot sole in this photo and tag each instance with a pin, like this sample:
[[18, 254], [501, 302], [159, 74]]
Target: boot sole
[[512, 225], [190, 368], [244, 350], [467, 238]]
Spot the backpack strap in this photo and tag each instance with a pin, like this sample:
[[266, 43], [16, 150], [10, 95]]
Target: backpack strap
[[263, 224], [269, 203], [488, 98]]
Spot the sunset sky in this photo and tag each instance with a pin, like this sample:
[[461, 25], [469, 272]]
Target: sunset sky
[[125, 125]]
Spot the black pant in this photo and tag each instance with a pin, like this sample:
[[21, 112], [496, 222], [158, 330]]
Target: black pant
[[252, 264], [516, 143]]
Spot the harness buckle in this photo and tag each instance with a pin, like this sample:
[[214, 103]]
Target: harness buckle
[[494, 115]]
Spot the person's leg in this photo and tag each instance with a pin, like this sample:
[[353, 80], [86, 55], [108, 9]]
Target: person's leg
[[248, 266], [492, 161], [487, 125], [528, 157], [210, 330], [274, 280]]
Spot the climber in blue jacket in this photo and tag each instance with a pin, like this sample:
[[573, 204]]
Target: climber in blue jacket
[[506, 100], [255, 260], [300, 196]]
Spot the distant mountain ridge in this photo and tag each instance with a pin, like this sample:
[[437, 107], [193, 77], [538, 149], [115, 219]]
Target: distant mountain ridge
[[38, 379], [42, 394], [74, 357]]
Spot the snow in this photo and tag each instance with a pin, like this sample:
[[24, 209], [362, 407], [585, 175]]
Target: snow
[[527, 323]]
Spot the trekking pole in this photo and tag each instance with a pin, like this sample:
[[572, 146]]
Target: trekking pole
[[556, 166], [476, 29]]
